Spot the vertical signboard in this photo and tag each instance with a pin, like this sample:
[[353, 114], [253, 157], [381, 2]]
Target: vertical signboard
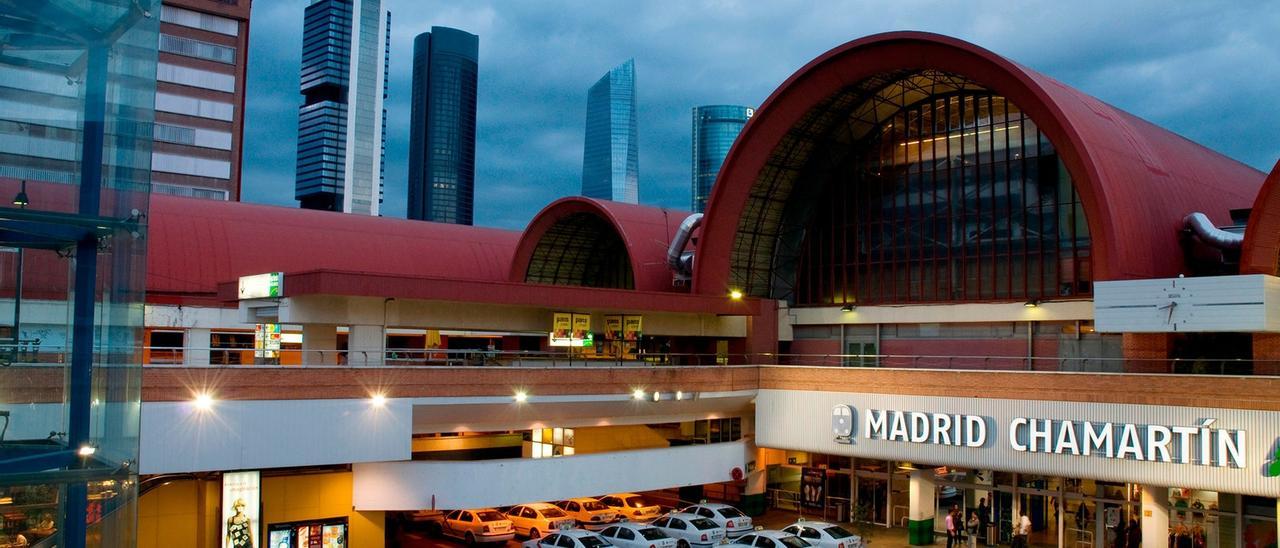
[[812, 485], [613, 328], [266, 340], [240, 509], [631, 328], [581, 327]]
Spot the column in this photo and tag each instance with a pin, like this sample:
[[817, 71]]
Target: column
[[319, 344], [195, 346], [365, 344], [1155, 517], [922, 501]]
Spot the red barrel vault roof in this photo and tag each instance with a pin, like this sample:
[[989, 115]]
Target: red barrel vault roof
[[646, 232], [197, 244], [1261, 251], [1135, 179]]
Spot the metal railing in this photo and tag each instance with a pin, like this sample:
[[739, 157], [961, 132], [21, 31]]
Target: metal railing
[[35, 354]]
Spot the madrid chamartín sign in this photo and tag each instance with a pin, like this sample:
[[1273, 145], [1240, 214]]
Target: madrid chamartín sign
[[1199, 444], [1227, 450]]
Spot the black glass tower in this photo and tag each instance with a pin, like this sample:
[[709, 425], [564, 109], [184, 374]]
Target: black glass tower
[[715, 128], [442, 126]]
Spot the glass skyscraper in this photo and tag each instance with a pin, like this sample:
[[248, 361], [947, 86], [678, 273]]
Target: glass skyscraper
[[715, 127], [340, 124], [442, 127], [611, 151]]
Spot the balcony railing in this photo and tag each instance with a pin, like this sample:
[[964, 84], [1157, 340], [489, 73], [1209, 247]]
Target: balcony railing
[[405, 357]]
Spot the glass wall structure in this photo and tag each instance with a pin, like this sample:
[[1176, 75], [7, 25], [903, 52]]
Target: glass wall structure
[[930, 188], [77, 99], [611, 151], [442, 128], [340, 124], [715, 128]]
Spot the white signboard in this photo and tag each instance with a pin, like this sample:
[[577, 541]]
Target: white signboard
[[262, 286], [1227, 450]]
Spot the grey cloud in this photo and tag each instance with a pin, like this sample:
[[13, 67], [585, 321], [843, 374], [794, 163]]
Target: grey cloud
[[1203, 69]]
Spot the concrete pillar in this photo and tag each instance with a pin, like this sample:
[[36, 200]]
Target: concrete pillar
[[365, 344], [195, 346], [319, 344], [922, 501], [1155, 517]]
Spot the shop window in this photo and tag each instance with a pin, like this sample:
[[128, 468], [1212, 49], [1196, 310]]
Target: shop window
[[717, 430], [230, 348], [542, 443], [166, 347], [330, 532]]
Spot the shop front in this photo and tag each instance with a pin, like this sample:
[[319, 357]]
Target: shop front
[[1084, 474]]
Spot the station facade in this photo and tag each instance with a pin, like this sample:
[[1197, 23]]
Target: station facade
[[927, 277]]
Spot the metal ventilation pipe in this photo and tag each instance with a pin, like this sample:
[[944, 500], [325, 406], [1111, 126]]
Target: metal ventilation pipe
[[680, 261], [1200, 224]]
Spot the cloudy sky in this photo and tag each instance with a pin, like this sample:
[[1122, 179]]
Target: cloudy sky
[[1208, 70]]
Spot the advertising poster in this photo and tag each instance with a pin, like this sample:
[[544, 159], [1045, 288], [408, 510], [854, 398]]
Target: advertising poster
[[280, 539], [240, 506], [561, 325], [631, 328], [335, 536], [613, 328], [266, 340], [812, 483], [581, 326]]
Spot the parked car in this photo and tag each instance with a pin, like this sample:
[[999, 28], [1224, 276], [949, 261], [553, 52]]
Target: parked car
[[631, 506], [735, 522], [823, 534], [590, 513], [768, 539], [471, 526], [637, 535], [568, 538], [690, 530], [532, 520]]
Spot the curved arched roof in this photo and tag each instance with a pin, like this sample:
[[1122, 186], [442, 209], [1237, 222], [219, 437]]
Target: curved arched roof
[[197, 244], [1135, 180], [580, 226], [1261, 251]]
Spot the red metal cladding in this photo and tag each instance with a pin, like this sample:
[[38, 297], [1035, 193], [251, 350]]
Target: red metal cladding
[[1261, 252], [646, 231], [197, 244], [1136, 180]]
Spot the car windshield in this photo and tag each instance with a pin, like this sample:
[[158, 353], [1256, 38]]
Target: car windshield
[[703, 524], [552, 512], [637, 502], [652, 533], [837, 531], [490, 515], [793, 542], [593, 541], [593, 506], [731, 513]]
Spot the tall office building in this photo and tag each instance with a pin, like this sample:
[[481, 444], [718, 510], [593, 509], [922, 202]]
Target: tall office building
[[341, 140], [611, 152], [715, 127], [442, 130]]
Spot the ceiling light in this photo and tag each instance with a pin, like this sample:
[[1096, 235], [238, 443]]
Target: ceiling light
[[203, 401], [21, 199], [735, 295], [521, 396], [679, 395], [637, 394], [378, 400], [1032, 303], [847, 308], [87, 450]]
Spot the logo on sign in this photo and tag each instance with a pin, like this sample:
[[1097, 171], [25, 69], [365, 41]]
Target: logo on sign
[[842, 417]]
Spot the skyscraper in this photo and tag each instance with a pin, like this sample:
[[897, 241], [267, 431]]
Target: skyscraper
[[340, 124], [199, 123], [611, 152], [715, 127], [442, 127]]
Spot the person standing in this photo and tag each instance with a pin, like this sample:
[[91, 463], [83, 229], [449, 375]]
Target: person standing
[[971, 529], [1135, 534], [984, 517], [951, 527], [1021, 529]]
